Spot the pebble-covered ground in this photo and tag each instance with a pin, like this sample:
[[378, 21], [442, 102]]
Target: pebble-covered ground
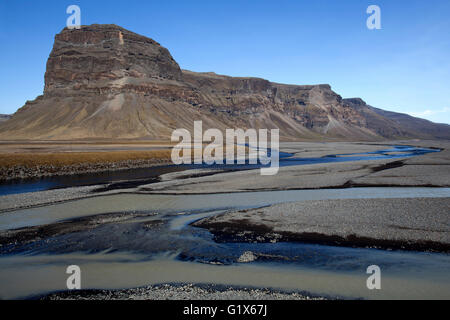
[[402, 223], [182, 292]]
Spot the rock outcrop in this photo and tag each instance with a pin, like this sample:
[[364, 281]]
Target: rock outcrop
[[106, 52], [103, 81]]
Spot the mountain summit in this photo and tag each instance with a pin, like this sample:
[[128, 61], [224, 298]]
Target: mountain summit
[[103, 81]]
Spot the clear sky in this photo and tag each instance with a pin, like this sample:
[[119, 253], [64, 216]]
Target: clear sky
[[403, 67]]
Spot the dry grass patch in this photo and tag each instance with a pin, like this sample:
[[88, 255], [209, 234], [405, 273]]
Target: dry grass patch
[[74, 158]]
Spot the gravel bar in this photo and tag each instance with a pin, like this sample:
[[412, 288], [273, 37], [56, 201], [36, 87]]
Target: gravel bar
[[420, 224]]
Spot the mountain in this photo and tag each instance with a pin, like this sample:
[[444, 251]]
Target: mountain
[[392, 124], [103, 81], [4, 117]]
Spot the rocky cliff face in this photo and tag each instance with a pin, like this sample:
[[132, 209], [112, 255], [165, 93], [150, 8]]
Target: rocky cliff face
[[105, 52], [103, 81]]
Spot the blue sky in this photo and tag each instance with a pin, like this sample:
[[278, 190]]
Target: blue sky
[[403, 67]]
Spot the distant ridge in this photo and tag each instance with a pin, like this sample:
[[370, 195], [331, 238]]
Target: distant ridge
[[103, 81], [4, 117]]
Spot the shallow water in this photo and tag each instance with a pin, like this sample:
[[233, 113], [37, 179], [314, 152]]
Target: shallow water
[[24, 276], [149, 175], [56, 182], [161, 203], [162, 247]]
